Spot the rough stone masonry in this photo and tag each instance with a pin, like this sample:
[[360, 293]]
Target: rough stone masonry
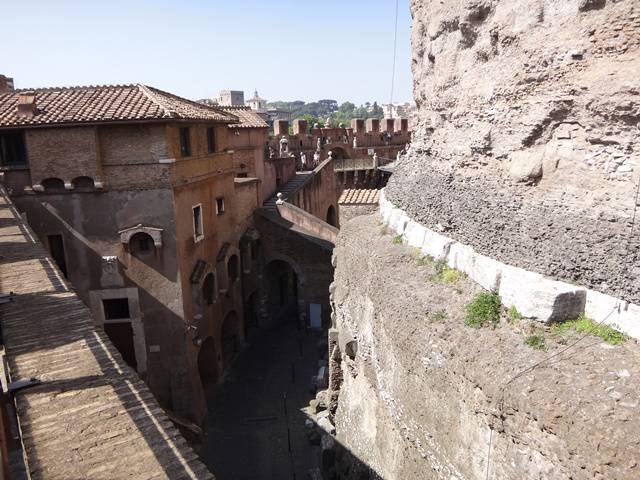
[[527, 151], [527, 144]]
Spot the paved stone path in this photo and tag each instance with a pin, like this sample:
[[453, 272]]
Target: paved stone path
[[247, 428]]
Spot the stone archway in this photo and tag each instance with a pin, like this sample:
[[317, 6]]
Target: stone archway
[[338, 153], [230, 338], [208, 364]]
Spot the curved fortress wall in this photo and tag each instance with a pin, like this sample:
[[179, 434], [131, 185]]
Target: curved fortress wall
[[527, 144]]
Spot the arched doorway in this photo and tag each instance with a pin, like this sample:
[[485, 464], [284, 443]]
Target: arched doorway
[[282, 290], [230, 338], [331, 216], [208, 364]]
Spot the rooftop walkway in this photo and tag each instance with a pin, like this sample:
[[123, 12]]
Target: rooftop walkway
[[92, 417]]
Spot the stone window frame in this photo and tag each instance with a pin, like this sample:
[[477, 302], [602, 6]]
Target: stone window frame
[[135, 318], [197, 237], [220, 205]]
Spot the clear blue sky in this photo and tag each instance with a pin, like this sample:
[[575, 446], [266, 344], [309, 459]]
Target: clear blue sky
[[288, 50]]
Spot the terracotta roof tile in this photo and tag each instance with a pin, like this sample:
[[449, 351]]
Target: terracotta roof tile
[[248, 118], [113, 103]]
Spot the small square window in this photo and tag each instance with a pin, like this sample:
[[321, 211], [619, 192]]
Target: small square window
[[12, 150], [220, 205], [211, 139], [198, 230], [116, 308], [185, 142]]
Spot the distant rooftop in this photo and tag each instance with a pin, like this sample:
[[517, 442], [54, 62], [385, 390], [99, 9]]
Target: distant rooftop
[[248, 118], [111, 103]]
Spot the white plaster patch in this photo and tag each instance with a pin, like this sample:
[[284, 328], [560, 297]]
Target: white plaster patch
[[436, 245], [617, 313], [414, 234]]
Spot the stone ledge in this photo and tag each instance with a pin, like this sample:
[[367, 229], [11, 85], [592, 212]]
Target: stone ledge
[[532, 294]]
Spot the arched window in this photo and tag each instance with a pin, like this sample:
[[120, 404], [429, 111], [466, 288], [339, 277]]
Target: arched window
[[232, 268], [141, 245], [53, 185], [83, 183], [209, 289]]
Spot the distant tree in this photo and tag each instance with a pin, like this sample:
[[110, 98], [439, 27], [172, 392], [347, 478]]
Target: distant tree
[[330, 106], [311, 120], [376, 111]]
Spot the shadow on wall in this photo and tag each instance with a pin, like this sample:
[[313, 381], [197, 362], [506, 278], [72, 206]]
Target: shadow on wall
[[47, 323]]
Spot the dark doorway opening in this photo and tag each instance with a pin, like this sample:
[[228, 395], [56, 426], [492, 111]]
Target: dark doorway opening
[[331, 216], [56, 247], [208, 364], [282, 290], [230, 338], [116, 308], [121, 335]]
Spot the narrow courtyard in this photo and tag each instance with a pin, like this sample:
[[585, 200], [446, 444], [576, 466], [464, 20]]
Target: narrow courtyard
[[255, 429]]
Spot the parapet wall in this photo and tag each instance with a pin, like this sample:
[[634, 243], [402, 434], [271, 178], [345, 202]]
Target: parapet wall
[[532, 294]]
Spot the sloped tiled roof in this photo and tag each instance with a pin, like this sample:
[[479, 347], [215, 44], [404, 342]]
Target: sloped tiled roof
[[112, 103], [91, 417], [248, 118]]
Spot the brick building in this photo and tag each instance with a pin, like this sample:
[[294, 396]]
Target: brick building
[[132, 190], [88, 415]]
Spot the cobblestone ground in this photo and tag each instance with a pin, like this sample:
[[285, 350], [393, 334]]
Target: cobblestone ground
[[247, 427]]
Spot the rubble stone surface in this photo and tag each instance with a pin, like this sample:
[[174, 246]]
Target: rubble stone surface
[[423, 396], [527, 142]]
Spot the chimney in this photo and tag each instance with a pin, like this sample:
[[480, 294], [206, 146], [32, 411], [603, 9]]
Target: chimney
[[27, 104], [6, 84]]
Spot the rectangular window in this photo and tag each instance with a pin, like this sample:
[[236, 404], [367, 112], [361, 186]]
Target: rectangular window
[[185, 142], [220, 205], [116, 308], [211, 139], [12, 150], [198, 230]]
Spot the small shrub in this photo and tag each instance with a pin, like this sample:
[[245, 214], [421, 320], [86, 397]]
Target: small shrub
[[514, 315], [584, 324], [484, 309], [536, 341], [439, 315], [424, 260], [397, 240], [450, 275], [439, 266]]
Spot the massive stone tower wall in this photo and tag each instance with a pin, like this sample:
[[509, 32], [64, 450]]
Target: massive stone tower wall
[[528, 137]]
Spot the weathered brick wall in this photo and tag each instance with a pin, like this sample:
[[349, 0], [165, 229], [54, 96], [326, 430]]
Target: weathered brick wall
[[319, 194], [198, 138], [132, 144], [282, 169], [64, 153]]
